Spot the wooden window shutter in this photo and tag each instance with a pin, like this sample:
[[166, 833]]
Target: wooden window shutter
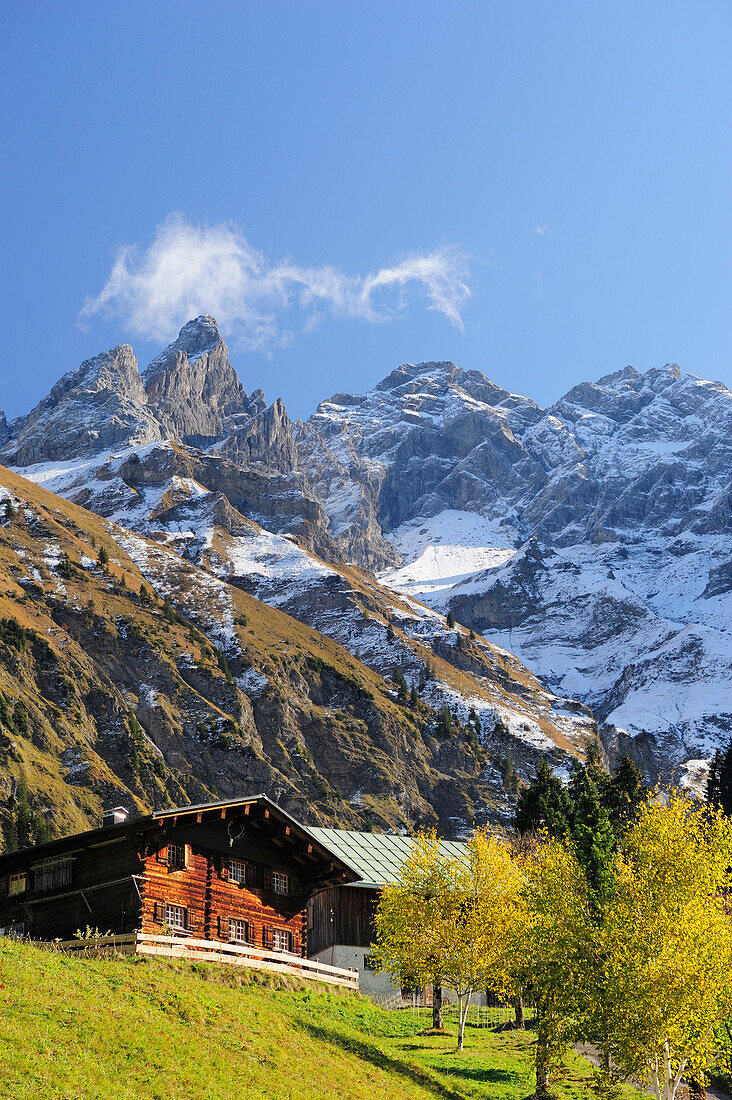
[[156, 917], [162, 856], [224, 869], [218, 927], [289, 941], [266, 940], [267, 878]]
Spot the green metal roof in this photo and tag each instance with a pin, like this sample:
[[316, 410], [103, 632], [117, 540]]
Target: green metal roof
[[376, 856]]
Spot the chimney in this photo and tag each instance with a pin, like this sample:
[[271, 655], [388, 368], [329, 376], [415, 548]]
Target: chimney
[[117, 816]]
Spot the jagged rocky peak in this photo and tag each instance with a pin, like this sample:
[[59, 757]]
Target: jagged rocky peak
[[100, 405], [193, 387]]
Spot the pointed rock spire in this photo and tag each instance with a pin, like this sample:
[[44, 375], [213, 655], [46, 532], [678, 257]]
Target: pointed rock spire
[[193, 387]]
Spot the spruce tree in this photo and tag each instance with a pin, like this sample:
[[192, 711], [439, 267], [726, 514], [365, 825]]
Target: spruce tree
[[544, 804], [625, 794], [401, 683], [594, 839], [444, 721], [450, 621], [719, 783]]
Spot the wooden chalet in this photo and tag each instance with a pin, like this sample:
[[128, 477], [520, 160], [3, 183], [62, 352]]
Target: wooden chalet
[[239, 872], [341, 917]]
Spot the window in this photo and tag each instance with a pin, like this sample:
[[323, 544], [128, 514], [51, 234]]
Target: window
[[50, 874], [239, 931], [280, 940], [280, 882], [175, 916], [18, 884], [237, 871], [176, 856], [367, 963]]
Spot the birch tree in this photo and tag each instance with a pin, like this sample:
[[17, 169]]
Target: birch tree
[[480, 916], [667, 943], [409, 929]]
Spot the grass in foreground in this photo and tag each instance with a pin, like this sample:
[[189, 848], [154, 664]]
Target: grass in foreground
[[137, 1029]]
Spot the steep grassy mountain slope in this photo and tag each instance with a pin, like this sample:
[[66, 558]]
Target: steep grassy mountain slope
[[140, 1029], [129, 674]]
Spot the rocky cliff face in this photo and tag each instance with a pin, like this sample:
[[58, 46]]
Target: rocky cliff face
[[101, 405], [592, 538], [195, 391]]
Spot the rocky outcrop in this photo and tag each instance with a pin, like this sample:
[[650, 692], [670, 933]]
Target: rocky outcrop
[[195, 391], [100, 406]]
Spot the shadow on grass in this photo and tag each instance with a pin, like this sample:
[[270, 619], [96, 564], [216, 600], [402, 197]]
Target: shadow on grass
[[378, 1058], [481, 1076]]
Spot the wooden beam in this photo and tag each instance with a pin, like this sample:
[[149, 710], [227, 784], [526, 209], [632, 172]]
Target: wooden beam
[[223, 813]]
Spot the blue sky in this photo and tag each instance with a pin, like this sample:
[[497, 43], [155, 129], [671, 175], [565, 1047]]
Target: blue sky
[[332, 176]]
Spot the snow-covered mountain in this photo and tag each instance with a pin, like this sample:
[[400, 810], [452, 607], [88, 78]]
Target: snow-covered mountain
[[592, 539]]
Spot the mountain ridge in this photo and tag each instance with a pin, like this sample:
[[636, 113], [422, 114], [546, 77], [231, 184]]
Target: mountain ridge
[[544, 529]]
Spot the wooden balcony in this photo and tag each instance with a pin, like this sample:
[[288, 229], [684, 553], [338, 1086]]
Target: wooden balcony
[[194, 950]]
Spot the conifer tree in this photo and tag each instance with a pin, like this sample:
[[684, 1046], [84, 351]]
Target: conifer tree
[[594, 840], [544, 804], [444, 721], [719, 783], [450, 621], [625, 794], [401, 683]]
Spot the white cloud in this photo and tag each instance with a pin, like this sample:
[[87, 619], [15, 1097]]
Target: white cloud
[[191, 269], [543, 230]]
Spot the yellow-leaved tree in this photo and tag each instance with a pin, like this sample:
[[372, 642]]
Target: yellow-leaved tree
[[408, 920], [666, 943], [552, 946], [479, 921], [451, 921]]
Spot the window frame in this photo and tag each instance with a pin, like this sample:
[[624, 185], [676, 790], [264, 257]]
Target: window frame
[[281, 933], [280, 883], [176, 909], [180, 862], [240, 877], [235, 938], [15, 878]]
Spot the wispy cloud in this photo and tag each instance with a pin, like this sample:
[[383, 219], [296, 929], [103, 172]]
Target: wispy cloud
[[259, 302], [544, 230]]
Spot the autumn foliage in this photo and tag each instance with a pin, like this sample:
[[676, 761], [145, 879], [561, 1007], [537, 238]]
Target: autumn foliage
[[633, 954]]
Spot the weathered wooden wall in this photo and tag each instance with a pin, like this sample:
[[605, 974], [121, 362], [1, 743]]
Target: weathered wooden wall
[[341, 915], [102, 894]]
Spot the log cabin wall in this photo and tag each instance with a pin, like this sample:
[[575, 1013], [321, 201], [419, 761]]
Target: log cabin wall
[[341, 915], [215, 883], [96, 886]]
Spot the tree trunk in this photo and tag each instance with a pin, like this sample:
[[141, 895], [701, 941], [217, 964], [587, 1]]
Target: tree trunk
[[542, 1058], [437, 1006], [462, 1017], [518, 1005]]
